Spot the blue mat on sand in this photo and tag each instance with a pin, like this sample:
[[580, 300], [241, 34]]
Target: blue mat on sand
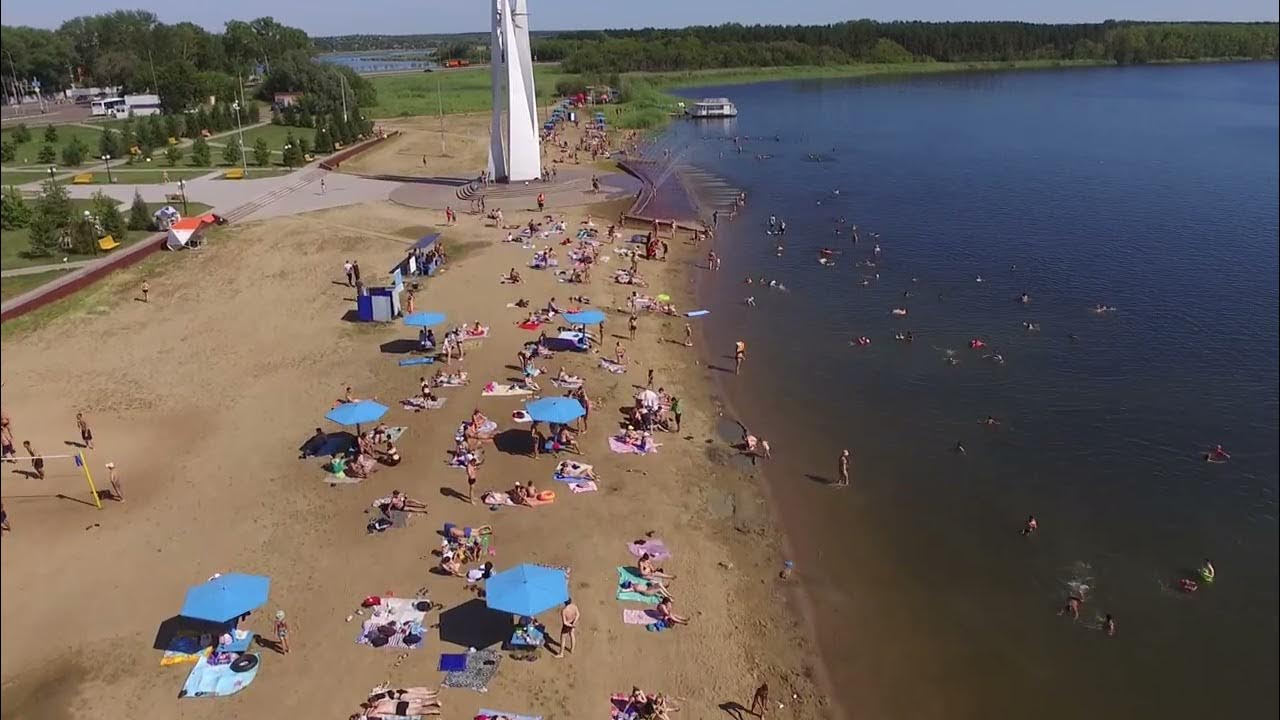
[[485, 712], [453, 662], [208, 680], [416, 361]]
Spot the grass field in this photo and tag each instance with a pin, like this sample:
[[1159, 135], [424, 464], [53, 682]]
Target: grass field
[[15, 243], [26, 152], [19, 177], [148, 176], [18, 284], [460, 91], [275, 135]]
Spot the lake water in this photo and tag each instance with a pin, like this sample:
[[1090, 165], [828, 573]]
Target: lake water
[[1150, 189], [380, 61]]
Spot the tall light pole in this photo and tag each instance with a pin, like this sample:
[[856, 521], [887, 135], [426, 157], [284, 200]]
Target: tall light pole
[[440, 101], [107, 159], [13, 68], [244, 162], [182, 188], [342, 81]]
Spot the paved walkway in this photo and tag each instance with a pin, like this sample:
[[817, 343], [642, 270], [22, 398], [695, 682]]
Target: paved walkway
[[37, 269]]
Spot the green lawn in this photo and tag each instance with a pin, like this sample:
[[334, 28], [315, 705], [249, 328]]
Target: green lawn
[[15, 243], [26, 152], [275, 135], [149, 176], [20, 177], [18, 284], [460, 90]]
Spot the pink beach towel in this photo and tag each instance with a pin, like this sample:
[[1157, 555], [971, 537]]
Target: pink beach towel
[[620, 447], [654, 546], [633, 616]]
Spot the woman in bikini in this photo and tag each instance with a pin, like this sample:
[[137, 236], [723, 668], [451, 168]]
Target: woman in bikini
[[666, 614], [404, 503], [650, 571]]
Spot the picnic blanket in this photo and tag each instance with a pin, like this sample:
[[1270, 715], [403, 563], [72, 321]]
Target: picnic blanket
[[635, 616], [612, 366], [626, 574], [417, 404], [654, 546], [623, 448], [486, 713], [481, 666], [207, 680], [404, 614], [497, 389]]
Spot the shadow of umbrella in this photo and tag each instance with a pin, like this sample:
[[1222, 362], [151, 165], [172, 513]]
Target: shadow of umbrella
[[399, 346], [182, 634], [515, 441], [473, 625]]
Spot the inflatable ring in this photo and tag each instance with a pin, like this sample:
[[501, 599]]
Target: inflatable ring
[[547, 495], [244, 663]]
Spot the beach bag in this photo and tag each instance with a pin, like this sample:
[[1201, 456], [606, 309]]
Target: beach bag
[[378, 641], [378, 525]]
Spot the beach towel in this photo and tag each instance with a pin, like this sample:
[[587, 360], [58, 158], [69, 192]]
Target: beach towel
[[697, 313], [407, 362], [177, 657], [452, 662], [417, 404], [567, 384], [622, 448], [486, 713], [497, 389], [584, 487], [612, 366], [449, 383], [625, 574], [468, 335], [530, 325], [620, 708], [207, 680], [633, 616], [496, 498], [655, 547], [481, 666], [340, 479], [407, 617]]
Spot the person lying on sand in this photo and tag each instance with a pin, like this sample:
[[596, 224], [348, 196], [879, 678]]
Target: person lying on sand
[[389, 456], [404, 503], [566, 378], [570, 469], [384, 693], [393, 708], [451, 562], [650, 588]]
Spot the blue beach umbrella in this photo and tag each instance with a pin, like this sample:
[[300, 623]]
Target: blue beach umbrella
[[585, 317], [555, 410], [527, 589], [226, 597], [357, 413], [423, 319]]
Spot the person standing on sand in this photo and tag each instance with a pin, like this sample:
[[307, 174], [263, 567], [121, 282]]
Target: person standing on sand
[[321, 186], [649, 384], [37, 462], [739, 354], [676, 411], [542, 202], [86, 435], [632, 325], [282, 632], [146, 291], [619, 353], [760, 701], [355, 271], [569, 615], [688, 335], [472, 476], [843, 469], [348, 268], [117, 485], [585, 400], [6, 443]]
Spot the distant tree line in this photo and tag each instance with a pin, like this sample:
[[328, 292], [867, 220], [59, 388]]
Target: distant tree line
[[734, 45], [183, 63]]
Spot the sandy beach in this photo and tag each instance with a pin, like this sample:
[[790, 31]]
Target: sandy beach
[[201, 398]]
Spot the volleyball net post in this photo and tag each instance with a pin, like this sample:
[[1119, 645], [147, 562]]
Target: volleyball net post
[[88, 477]]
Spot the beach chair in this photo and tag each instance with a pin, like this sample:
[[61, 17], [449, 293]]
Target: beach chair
[[82, 179], [234, 174], [107, 243]]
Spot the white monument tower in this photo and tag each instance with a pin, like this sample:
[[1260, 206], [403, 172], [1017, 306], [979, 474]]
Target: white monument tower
[[514, 154]]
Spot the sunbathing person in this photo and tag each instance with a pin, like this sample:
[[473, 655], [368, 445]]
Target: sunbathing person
[[570, 469], [651, 588], [661, 707], [476, 330], [392, 708], [361, 467], [566, 440], [512, 277], [451, 563], [666, 614], [566, 378], [390, 456], [347, 397], [404, 503], [380, 693], [651, 571]]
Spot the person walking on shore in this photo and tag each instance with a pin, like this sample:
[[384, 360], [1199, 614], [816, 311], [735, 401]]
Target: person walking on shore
[[86, 435], [739, 354], [843, 469], [117, 485], [282, 632], [676, 411], [688, 335], [355, 271], [632, 325], [347, 267], [37, 462], [542, 202], [569, 615], [472, 476], [146, 291], [760, 701], [619, 353]]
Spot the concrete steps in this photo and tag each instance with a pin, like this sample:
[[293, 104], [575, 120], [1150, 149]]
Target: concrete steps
[[249, 208]]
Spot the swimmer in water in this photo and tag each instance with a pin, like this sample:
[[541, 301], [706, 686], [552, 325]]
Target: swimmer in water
[[991, 420], [906, 294], [750, 301], [1217, 455], [1074, 603], [1030, 526], [1073, 337], [960, 448], [978, 279], [1031, 327], [1013, 268], [996, 358], [1207, 573], [1109, 625], [952, 361], [747, 281], [1188, 585], [1024, 298]]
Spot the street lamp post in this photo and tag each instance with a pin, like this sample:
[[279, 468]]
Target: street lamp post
[[107, 159], [244, 161], [13, 67], [182, 188]]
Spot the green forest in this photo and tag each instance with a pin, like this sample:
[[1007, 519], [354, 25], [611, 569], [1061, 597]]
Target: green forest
[[183, 63], [865, 41]]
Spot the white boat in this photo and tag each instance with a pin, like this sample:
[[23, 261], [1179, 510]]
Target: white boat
[[713, 108]]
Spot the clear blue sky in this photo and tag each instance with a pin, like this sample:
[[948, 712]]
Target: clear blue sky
[[333, 17]]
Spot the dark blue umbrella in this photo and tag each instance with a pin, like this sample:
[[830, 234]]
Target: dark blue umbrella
[[527, 589], [555, 410], [226, 597], [585, 317], [357, 413], [423, 319]]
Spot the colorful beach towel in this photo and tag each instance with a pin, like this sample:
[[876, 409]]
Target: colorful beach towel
[[409, 362], [654, 546], [404, 613], [497, 389], [625, 574], [468, 335], [612, 366], [481, 666], [486, 713], [622, 448], [417, 404], [208, 680], [340, 479]]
